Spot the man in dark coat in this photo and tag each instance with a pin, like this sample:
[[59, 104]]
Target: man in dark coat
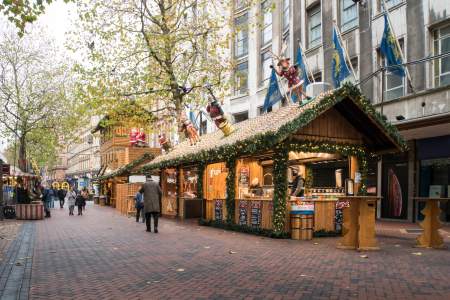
[[61, 195], [152, 202]]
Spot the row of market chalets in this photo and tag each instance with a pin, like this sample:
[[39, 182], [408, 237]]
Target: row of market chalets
[[243, 177], [118, 188]]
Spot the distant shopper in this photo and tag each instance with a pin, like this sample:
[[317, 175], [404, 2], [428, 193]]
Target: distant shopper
[[61, 196], [85, 195], [80, 201], [71, 197], [47, 197], [139, 205], [152, 202], [22, 195]]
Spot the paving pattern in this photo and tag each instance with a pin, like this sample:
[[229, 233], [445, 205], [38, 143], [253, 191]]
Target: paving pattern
[[103, 255]]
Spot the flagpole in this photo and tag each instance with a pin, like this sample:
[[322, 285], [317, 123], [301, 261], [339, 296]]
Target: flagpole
[[345, 50], [386, 10], [305, 61]]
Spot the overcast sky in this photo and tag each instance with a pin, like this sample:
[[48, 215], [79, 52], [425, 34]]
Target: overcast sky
[[57, 20]]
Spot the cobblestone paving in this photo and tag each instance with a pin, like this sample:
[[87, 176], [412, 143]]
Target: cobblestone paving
[[102, 255]]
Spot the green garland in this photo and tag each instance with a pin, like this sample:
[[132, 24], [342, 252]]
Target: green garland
[[268, 140], [280, 165], [200, 171], [244, 228], [231, 188]]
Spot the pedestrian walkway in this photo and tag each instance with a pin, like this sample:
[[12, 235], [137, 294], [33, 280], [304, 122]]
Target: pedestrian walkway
[[15, 269], [103, 255]]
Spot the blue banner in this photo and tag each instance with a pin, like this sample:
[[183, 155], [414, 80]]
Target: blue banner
[[390, 50], [339, 66], [273, 92]]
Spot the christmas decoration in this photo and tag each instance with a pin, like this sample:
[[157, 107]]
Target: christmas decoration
[[165, 142], [290, 73], [217, 115], [141, 138], [231, 188], [190, 131], [127, 169]]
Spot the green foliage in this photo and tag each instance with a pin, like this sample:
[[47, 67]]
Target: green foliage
[[231, 188], [245, 229], [280, 165], [200, 174], [157, 53], [21, 13]]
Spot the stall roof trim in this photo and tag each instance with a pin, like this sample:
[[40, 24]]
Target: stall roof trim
[[280, 124], [128, 168]]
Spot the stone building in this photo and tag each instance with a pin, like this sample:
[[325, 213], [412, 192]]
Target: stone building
[[421, 111]]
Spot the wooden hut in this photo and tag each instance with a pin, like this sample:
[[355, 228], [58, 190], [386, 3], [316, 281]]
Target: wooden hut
[[244, 178]]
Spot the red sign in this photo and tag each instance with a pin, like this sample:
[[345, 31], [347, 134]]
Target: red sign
[[6, 168]]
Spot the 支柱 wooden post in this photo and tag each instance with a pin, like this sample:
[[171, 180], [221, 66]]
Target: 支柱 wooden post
[[430, 238]]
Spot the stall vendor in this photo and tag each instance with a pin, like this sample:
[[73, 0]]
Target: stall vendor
[[256, 188], [298, 185]]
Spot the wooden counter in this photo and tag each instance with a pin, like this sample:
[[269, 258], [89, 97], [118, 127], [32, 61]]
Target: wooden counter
[[359, 223], [324, 215], [431, 238]]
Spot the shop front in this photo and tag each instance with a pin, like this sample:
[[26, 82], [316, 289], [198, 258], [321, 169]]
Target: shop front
[[305, 160]]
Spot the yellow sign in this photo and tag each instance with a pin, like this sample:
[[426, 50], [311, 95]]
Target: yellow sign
[[60, 185]]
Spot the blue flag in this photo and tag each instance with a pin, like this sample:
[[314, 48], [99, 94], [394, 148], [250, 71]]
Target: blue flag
[[339, 66], [390, 50], [303, 73], [273, 93]]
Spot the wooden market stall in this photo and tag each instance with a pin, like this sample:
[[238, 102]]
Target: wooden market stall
[[116, 188], [317, 152]]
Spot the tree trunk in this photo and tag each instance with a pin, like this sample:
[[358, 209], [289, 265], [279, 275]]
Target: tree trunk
[[23, 153]]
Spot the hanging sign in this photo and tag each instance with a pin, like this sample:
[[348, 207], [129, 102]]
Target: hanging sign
[[302, 208], [244, 176], [218, 210], [256, 214], [243, 212]]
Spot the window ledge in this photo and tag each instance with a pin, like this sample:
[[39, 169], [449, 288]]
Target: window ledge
[[241, 58], [266, 46], [380, 13], [240, 10], [347, 31], [312, 49], [238, 96]]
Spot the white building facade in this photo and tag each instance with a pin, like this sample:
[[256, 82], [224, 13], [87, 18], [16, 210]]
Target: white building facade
[[421, 110]]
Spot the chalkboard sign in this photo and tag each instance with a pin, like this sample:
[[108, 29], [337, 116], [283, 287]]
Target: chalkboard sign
[[256, 214], [243, 212], [218, 210]]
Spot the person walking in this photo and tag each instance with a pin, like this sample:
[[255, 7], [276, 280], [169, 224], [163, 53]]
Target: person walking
[[47, 197], [70, 198], [85, 195], [139, 205], [61, 196], [152, 202], [80, 201]]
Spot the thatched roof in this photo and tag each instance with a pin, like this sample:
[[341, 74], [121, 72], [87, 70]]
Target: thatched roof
[[276, 126]]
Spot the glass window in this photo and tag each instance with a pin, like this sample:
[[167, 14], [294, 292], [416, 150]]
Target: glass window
[[349, 14], [238, 4], [266, 61], [393, 84], [286, 43], [241, 38], [314, 27], [266, 32], [241, 78], [285, 15], [442, 66], [239, 117], [389, 4], [317, 77]]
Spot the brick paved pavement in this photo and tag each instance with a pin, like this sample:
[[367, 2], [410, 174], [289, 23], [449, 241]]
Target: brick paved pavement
[[15, 267], [103, 255]]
